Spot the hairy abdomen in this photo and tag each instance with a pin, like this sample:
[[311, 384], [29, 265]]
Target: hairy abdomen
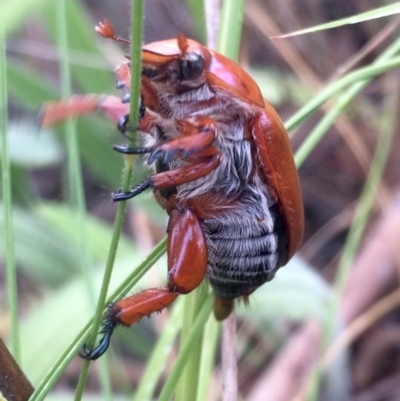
[[244, 250]]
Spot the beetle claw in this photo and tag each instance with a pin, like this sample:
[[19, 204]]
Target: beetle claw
[[93, 354], [125, 150], [118, 196], [159, 153], [126, 98], [123, 124]]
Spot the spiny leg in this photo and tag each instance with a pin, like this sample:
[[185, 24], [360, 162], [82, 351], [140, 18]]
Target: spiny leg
[[172, 178], [187, 264], [197, 133], [194, 145]]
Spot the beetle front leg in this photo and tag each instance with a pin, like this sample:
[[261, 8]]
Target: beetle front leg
[[173, 178], [194, 145], [196, 134], [55, 112], [187, 265]]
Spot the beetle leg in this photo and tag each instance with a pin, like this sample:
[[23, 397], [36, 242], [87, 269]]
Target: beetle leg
[[53, 113], [197, 134], [173, 178], [131, 151], [187, 265], [56, 112], [183, 146]]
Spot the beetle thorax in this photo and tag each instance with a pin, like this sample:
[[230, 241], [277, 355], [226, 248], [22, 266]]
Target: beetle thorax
[[232, 116]]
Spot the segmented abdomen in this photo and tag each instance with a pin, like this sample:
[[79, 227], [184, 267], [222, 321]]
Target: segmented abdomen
[[244, 251]]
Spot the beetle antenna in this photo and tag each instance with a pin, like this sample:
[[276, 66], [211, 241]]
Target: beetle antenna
[[106, 30]]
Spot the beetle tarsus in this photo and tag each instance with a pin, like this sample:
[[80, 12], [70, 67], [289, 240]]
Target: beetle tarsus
[[131, 151], [118, 196], [126, 98], [93, 354], [123, 124], [161, 154]]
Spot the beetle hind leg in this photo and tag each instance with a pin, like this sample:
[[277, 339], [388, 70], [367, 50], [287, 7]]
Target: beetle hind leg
[[187, 264], [107, 329]]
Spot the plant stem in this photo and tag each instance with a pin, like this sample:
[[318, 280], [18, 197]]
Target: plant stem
[[186, 349], [136, 45], [229, 39], [11, 274]]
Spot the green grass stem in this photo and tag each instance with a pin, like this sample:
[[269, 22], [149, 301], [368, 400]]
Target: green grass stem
[[11, 273], [156, 363], [187, 348], [231, 28], [380, 66], [136, 45], [209, 349]]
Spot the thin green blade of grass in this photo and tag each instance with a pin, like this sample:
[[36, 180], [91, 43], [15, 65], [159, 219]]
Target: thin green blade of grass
[[231, 28], [74, 190], [186, 349], [10, 266], [189, 381], [209, 349], [136, 46], [119, 219], [155, 365], [136, 69], [379, 67], [380, 12]]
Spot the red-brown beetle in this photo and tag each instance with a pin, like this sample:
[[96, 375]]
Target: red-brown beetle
[[224, 172]]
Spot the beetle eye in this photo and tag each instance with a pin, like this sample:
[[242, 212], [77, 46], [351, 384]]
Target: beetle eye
[[192, 68]]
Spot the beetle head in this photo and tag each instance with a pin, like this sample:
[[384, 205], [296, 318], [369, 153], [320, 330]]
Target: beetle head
[[179, 65]]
